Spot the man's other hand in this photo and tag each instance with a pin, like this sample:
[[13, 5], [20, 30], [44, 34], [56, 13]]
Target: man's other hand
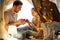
[[21, 22]]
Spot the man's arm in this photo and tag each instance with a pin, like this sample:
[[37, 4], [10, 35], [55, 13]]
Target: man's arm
[[7, 19], [17, 23]]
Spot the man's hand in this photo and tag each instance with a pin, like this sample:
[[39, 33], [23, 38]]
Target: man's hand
[[21, 22]]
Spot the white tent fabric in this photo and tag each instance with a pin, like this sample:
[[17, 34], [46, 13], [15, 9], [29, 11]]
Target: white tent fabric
[[30, 1]]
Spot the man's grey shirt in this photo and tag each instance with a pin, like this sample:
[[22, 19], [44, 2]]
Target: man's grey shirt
[[10, 16]]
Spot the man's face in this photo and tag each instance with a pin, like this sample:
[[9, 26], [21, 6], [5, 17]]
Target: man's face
[[18, 8]]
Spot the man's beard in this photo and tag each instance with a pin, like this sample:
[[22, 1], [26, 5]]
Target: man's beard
[[16, 11]]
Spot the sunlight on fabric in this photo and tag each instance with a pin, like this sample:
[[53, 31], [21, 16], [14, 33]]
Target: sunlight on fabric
[[11, 30], [25, 12]]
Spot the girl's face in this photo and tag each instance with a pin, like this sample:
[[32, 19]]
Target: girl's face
[[34, 13]]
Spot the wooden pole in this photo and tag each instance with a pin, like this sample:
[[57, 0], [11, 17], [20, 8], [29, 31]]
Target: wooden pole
[[1, 19], [3, 3]]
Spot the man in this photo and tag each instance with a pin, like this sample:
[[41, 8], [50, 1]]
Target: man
[[10, 16]]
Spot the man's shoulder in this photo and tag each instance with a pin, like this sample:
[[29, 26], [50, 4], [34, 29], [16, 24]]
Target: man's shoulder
[[7, 11]]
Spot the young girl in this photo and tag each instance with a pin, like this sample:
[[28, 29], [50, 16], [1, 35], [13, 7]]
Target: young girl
[[35, 21], [35, 25]]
